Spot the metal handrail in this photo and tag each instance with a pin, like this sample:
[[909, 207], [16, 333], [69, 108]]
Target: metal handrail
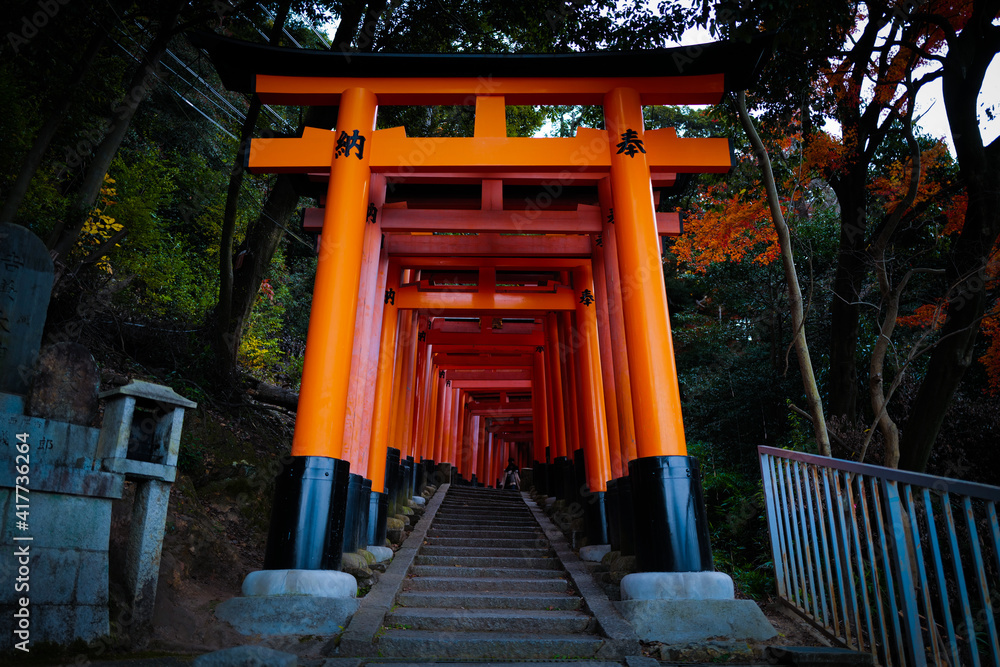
[[875, 558]]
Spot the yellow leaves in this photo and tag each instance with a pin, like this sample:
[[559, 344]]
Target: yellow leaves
[[257, 353], [99, 226]]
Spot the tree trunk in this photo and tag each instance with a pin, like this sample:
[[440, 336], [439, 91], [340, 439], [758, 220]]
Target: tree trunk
[[48, 130], [844, 307], [969, 55], [265, 392], [224, 314], [83, 200], [264, 233], [813, 398]]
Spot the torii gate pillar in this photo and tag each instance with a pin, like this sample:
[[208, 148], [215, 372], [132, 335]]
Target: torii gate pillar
[[671, 526], [307, 519]]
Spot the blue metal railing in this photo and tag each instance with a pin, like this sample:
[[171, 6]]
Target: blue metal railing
[[901, 565]]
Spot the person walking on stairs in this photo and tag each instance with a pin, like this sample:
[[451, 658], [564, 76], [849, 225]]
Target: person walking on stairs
[[512, 476]]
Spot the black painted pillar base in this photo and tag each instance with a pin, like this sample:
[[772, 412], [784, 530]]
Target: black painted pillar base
[[392, 478], [411, 477], [307, 517], [613, 513], [671, 524], [541, 478], [405, 485], [378, 512], [364, 504], [596, 516], [420, 478], [579, 477], [626, 516], [560, 473], [352, 513], [568, 480]]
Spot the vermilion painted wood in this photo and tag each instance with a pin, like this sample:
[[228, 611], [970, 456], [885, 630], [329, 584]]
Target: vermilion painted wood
[[511, 262], [557, 406], [655, 394], [589, 380], [571, 388], [446, 361], [437, 337], [392, 153], [585, 220], [481, 451], [619, 353], [540, 416], [379, 442], [482, 325], [326, 91], [457, 419], [487, 245], [323, 395], [513, 375], [409, 394], [367, 327], [441, 420], [425, 434], [607, 361], [405, 350], [660, 178], [374, 351], [421, 381]]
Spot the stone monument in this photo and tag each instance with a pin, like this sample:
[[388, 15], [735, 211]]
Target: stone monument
[[59, 474]]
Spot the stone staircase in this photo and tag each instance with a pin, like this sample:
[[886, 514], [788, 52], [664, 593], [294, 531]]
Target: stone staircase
[[486, 584]]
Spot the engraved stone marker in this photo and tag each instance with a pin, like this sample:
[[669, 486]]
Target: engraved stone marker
[[25, 286]]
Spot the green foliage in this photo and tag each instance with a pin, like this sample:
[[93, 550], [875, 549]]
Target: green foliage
[[737, 523], [261, 351], [172, 222], [191, 457]]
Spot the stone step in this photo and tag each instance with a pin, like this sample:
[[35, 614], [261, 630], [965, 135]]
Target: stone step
[[488, 521], [484, 534], [503, 543], [472, 500], [499, 585], [488, 620], [483, 523], [497, 529], [492, 663], [487, 572], [487, 551], [486, 645], [451, 504], [488, 561], [488, 600], [458, 492]]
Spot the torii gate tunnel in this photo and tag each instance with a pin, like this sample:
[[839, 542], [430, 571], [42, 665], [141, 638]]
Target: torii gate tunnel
[[489, 297]]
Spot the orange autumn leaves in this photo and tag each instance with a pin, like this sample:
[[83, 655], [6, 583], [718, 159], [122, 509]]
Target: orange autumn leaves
[[727, 225], [934, 314]]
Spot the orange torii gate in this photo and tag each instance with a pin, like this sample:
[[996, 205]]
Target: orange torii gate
[[622, 161]]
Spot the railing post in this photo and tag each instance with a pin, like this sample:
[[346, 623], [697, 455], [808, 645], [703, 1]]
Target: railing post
[[772, 524], [904, 576]]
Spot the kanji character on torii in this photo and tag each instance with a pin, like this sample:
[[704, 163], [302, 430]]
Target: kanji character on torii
[[598, 353]]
